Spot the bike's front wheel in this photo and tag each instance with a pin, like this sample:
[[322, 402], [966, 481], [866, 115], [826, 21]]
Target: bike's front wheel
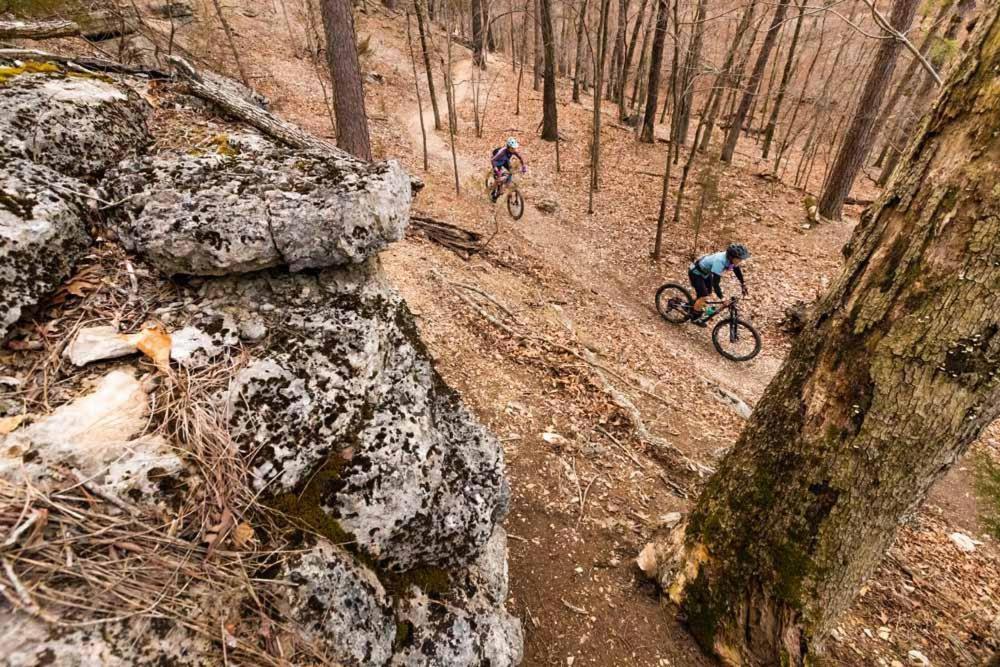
[[674, 302], [515, 204], [736, 340]]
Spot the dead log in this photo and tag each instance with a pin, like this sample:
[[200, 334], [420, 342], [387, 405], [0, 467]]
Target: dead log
[[104, 24], [84, 64], [462, 242], [211, 89], [854, 201], [13, 29]]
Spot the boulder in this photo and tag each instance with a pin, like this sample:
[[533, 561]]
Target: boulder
[[172, 9], [466, 631], [340, 605], [136, 642], [78, 125], [249, 206], [100, 435], [348, 389], [42, 234]]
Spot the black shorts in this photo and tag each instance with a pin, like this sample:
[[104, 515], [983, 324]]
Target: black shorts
[[702, 285]]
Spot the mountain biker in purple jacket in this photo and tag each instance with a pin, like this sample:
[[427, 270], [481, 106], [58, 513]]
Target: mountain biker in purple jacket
[[705, 274], [501, 166]]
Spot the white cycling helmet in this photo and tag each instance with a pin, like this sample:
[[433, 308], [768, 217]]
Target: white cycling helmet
[[512, 142]]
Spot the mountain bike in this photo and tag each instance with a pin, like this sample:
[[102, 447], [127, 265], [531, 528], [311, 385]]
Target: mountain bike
[[515, 200], [733, 338]]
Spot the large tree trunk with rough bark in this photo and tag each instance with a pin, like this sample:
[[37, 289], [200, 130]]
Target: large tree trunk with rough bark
[[750, 92], [550, 122], [894, 376], [348, 93], [655, 65], [861, 133]]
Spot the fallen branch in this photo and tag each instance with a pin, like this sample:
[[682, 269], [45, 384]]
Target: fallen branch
[[85, 64], [463, 242], [622, 447], [38, 29], [252, 114]]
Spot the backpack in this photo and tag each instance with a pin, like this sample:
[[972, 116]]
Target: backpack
[[495, 151]]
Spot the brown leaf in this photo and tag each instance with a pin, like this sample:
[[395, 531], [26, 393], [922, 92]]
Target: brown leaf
[[154, 342], [8, 424], [243, 535]]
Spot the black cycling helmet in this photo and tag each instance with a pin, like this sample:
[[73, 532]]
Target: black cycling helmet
[[737, 251]]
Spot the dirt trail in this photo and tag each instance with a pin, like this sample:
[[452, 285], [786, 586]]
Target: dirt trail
[[571, 252], [438, 150]]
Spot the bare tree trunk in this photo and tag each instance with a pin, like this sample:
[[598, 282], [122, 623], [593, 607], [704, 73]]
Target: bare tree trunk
[[641, 70], [655, 65], [882, 125], [452, 118], [478, 36], [860, 134], [691, 67], [232, 43], [726, 75], [890, 382], [418, 7], [630, 53], [550, 120], [736, 123], [536, 12], [416, 88], [581, 26], [790, 136], [786, 76], [348, 93], [595, 146]]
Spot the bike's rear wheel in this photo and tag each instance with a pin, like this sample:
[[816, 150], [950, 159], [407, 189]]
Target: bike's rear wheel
[[515, 204], [736, 340], [674, 302]]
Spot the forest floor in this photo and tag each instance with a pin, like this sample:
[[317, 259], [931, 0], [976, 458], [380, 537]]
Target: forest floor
[[557, 309]]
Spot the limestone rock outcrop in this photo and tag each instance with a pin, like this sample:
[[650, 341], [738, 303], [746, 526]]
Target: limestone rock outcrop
[[251, 205], [42, 234], [79, 125]]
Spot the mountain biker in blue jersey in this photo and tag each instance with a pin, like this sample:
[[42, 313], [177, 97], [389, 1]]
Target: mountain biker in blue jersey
[[501, 166], [705, 275]]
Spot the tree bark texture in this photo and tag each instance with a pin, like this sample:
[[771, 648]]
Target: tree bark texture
[[750, 92], [595, 144], [537, 25], [896, 373], [655, 65], [550, 119], [478, 37], [861, 132], [348, 93]]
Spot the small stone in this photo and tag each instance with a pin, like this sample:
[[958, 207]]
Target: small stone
[[252, 330], [97, 344], [917, 658], [883, 633], [895, 663], [647, 560], [547, 205], [570, 660], [963, 542], [670, 519]]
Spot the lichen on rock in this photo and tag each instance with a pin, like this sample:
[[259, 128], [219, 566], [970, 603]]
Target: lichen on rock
[[256, 206], [42, 234], [79, 125]]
